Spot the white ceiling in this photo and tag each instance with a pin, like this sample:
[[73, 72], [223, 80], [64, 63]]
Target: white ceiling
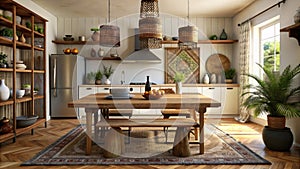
[[119, 8]]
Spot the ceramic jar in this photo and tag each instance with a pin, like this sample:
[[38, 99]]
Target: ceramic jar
[[4, 91], [96, 36], [5, 126], [223, 35], [297, 16], [206, 79], [178, 87], [213, 78]]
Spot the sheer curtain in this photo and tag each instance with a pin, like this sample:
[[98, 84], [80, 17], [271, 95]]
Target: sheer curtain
[[245, 37]]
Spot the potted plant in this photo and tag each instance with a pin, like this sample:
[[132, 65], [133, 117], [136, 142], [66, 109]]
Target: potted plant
[[274, 95], [107, 72], [229, 75], [98, 77], [178, 78], [3, 60], [91, 77], [96, 35], [7, 32]]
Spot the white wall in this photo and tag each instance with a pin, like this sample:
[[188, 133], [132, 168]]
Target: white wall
[[290, 55], [290, 50], [127, 24], [50, 32]]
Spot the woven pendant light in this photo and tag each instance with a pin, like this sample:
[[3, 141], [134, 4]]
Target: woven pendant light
[[109, 34], [188, 35], [150, 28], [149, 8]]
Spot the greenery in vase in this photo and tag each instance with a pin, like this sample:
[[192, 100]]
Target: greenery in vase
[[98, 75], [7, 32], [178, 77], [108, 71], [274, 93], [95, 29], [230, 73], [92, 76]]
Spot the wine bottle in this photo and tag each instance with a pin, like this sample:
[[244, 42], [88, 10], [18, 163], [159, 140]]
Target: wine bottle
[[147, 85]]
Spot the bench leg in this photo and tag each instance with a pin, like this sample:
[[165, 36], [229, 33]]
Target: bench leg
[[114, 144]]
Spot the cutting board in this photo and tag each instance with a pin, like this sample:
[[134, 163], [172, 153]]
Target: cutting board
[[217, 63]]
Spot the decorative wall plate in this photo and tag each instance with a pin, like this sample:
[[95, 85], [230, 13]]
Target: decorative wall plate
[[217, 63]]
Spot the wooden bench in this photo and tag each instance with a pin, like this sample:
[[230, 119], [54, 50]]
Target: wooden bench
[[114, 144]]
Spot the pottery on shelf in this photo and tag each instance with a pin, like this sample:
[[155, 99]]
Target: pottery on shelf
[[107, 81], [4, 91], [206, 79], [96, 36], [178, 87], [223, 35], [22, 39]]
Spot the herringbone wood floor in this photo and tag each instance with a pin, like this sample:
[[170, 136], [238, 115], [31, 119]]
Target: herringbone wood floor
[[27, 145]]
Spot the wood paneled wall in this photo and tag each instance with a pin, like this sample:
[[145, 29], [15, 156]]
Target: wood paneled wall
[[207, 27]]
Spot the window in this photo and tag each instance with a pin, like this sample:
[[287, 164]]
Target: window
[[266, 38]]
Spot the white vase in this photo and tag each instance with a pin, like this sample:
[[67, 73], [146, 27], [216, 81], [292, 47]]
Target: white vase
[[107, 81], [206, 79], [178, 87], [4, 91], [213, 78]]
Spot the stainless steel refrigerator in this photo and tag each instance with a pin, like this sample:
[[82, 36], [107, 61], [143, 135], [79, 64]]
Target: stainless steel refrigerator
[[66, 73]]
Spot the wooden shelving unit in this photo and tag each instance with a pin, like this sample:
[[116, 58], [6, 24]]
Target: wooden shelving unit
[[30, 104], [103, 58], [293, 30]]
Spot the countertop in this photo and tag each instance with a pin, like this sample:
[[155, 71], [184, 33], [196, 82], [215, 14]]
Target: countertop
[[165, 85]]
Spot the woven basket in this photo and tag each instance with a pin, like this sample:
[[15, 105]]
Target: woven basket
[[276, 122], [149, 8], [150, 28], [188, 34], [109, 36]]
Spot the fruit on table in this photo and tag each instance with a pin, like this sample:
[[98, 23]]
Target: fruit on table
[[154, 92]]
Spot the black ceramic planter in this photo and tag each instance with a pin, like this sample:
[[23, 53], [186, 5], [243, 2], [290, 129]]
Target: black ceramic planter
[[278, 139]]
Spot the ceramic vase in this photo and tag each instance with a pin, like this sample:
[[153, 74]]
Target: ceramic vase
[[213, 78], [178, 87], [22, 39], [4, 91], [96, 36], [206, 79], [107, 81], [98, 82], [223, 35]]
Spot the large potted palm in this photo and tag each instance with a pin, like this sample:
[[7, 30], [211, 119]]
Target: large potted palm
[[275, 96]]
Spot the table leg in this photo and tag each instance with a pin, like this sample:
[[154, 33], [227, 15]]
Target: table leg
[[201, 129], [89, 123]]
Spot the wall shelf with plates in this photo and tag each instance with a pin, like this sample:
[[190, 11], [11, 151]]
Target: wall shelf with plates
[[293, 30], [26, 72]]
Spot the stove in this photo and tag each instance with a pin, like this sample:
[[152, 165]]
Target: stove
[[141, 83]]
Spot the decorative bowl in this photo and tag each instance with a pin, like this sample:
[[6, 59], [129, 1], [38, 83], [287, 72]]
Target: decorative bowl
[[119, 92], [25, 121], [20, 93], [152, 96]]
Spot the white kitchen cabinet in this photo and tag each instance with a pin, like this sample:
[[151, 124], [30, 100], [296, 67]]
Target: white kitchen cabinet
[[192, 89], [214, 93], [230, 100], [84, 91]]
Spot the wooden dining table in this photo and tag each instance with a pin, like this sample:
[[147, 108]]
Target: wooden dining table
[[99, 101]]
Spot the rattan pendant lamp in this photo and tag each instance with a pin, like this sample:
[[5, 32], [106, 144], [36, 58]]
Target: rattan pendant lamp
[[150, 28], [109, 34], [188, 35]]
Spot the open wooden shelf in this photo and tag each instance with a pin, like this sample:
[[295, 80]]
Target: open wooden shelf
[[62, 42], [293, 30], [205, 42], [17, 77], [103, 58]]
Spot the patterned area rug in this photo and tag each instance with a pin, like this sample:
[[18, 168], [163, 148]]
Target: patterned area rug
[[70, 150]]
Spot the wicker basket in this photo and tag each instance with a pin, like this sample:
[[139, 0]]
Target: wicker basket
[[276, 122]]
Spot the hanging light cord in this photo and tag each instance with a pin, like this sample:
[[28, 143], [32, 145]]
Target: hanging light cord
[[108, 11], [188, 17]]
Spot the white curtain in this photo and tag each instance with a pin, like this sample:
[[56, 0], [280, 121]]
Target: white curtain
[[245, 38]]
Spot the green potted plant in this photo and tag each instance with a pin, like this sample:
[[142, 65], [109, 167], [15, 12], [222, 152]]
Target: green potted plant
[[229, 75], [91, 77], [274, 95], [98, 77], [7, 32], [107, 72], [3, 60], [178, 78], [96, 35]]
